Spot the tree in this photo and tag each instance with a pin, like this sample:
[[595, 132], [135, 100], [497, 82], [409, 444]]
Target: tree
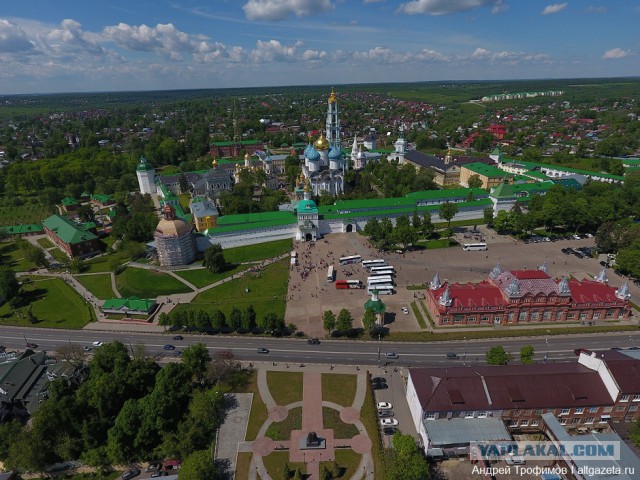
[[427, 225], [286, 471], [249, 318], [628, 260], [447, 211], [271, 322], [196, 358], [368, 319], [37, 256], [497, 356], [235, 318], [416, 222], [199, 466], [526, 354], [475, 181], [9, 285], [214, 259], [487, 215], [344, 322], [406, 460], [183, 183], [218, 320], [76, 265], [329, 320]]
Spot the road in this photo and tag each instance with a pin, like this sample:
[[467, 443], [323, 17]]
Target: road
[[337, 352]]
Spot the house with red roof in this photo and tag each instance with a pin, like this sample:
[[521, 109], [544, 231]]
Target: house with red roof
[[525, 296]]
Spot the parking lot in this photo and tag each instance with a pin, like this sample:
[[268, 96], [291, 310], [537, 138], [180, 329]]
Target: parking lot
[[310, 296], [395, 394]]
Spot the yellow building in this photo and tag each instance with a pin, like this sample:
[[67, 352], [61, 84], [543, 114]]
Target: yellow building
[[205, 213], [489, 175]]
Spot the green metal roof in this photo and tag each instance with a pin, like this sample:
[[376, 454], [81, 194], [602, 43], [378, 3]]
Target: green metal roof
[[68, 231], [377, 306], [486, 170], [102, 198], [505, 190], [307, 206], [241, 142], [68, 201], [144, 166], [532, 165], [249, 221], [22, 229], [131, 303]]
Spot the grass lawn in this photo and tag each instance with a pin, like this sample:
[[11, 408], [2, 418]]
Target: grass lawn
[[258, 414], [418, 314], [53, 303], [147, 284], [256, 253], [12, 256], [285, 387], [347, 460], [282, 430], [99, 285], [33, 213], [276, 460], [339, 388], [331, 419], [440, 243], [267, 292], [45, 242], [203, 277], [101, 263], [243, 463], [369, 417], [59, 255]]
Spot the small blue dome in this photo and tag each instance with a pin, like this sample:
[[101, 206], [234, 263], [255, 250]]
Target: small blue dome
[[313, 154], [306, 150], [335, 153]]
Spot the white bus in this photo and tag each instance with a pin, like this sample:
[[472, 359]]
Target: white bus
[[351, 259], [383, 273], [382, 267], [469, 247], [331, 274], [379, 280], [373, 263], [382, 289]]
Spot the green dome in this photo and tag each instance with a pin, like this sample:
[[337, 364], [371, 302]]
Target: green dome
[[307, 206], [377, 306], [143, 166]]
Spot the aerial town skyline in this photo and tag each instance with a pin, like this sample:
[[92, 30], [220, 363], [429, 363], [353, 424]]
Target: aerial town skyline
[[73, 46]]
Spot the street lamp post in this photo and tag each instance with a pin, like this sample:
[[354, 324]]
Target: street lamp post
[[464, 355], [379, 346], [546, 357]]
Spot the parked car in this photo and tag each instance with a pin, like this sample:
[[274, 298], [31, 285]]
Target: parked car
[[389, 422], [389, 430], [169, 347], [313, 341], [379, 380], [158, 474], [405, 310], [384, 406], [129, 474], [262, 350], [385, 413], [379, 386], [153, 466]]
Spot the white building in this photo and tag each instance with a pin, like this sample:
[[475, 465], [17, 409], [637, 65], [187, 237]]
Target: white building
[[146, 177]]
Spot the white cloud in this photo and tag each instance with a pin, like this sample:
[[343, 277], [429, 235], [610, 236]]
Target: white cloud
[[275, 10], [70, 37], [274, 51], [596, 9], [504, 57], [13, 39], [481, 53], [444, 7], [554, 8], [615, 53]]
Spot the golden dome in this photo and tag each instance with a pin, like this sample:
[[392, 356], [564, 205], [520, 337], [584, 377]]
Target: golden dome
[[321, 143], [214, 163], [332, 97], [247, 156]]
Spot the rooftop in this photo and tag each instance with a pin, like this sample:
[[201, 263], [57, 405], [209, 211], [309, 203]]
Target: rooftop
[[462, 431], [68, 231]]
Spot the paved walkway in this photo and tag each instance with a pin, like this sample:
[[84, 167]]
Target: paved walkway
[[233, 429], [312, 421]]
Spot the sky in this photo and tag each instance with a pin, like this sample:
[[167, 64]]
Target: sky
[[96, 45]]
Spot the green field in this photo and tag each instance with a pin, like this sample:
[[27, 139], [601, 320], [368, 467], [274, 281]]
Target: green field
[[202, 277], [282, 430], [102, 263], [99, 285], [147, 283], [331, 419], [267, 292], [54, 305], [33, 213], [11, 256], [285, 387], [44, 242], [276, 460], [59, 255], [347, 460], [256, 253], [339, 388]]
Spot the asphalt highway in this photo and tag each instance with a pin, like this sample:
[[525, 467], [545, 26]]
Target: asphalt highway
[[336, 352]]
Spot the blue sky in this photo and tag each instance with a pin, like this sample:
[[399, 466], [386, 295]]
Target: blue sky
[[94, 45]]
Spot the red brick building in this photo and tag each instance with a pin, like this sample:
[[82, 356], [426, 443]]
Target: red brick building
[[235, 149], [525, 296]]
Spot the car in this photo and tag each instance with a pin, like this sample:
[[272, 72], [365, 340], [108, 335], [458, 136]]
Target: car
[[452, 356], [379, 386], [576, 237], [262, 350], [153, 466], [178, 337], [134, 472], [389, 422], [86, 348], [177, 353], [405, 310], [379, 380], [385, 413], [391, 355], [384, 406], [97, 344], [168, 346], [389, 430], [313, 341], [588, 235], [158, 474]]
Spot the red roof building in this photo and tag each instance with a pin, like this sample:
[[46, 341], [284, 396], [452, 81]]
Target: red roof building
[[525, 296]]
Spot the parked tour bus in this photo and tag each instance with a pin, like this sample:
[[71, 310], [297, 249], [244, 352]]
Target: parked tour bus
[[331, 274], [468, 247], [382, 289], [382, 273], [351, 259], [344, 284], [381, 267], [373, 263], [379, 280]]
